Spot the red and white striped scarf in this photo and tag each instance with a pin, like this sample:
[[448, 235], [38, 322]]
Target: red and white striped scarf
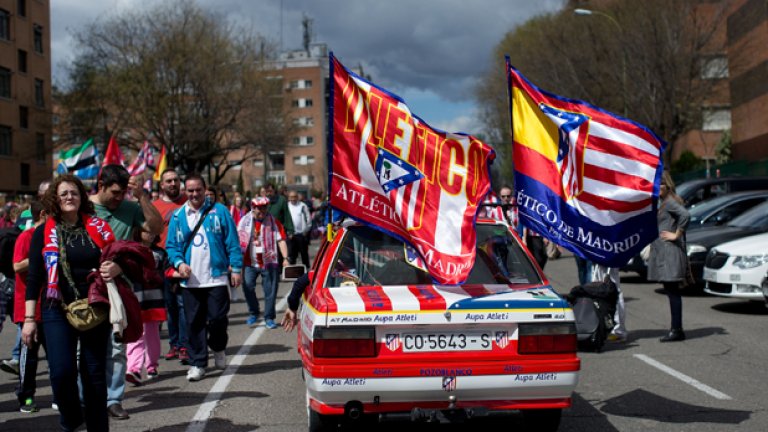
[[98, 230]]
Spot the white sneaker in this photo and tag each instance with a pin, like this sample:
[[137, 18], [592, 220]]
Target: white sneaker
[[195, 373], [220, 359], [54, 406]]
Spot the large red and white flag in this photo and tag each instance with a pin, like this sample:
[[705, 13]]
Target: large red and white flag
[[391, 170]]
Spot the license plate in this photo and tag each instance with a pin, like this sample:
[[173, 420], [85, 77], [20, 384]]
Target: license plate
[[709, 275], [447, 341]]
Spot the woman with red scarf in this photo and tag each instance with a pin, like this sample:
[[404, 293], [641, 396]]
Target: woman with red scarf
[[62, 253]]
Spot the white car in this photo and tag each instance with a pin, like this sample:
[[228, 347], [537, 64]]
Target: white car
[[736, 269]]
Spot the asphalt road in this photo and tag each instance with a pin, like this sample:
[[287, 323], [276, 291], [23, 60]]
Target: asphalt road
[[713, 381]]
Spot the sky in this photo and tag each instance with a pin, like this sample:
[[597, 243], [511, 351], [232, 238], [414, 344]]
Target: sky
[[429, 52]]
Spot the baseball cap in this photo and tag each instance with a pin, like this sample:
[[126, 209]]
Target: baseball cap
[[260, 201]]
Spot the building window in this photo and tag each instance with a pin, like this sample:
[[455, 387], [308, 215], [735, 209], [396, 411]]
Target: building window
[[301, 103], [303, 160], [39, 95], [304, 121], [303, 179], [21, 8], [5, 82], [300, 84], [277, 161], [715, 67], [40, 147], [303, 140], [5, 24], [23, 117], [5, 141], [22, 61], [24, 180], [716, 119], [38, 32], [258, 162]]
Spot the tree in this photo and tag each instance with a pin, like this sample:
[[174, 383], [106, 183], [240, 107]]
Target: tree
[[197, 84], [646, 58]]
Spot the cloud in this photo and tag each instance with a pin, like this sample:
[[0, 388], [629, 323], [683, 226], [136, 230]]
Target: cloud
[[441, 46]]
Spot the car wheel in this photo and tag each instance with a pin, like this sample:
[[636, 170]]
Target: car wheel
[[542, 420], [318, 422], [321, 423]]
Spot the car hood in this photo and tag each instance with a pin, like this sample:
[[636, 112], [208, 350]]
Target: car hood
[[424, 304], [713, 236], [752, 245]]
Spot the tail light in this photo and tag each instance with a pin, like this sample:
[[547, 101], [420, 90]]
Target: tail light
[[549, 338], [344, 342]]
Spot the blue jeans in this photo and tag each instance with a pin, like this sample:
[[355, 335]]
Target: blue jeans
[[269, 280], [16, 351], [117, 366], [177, 321], [61, 340], [207, 321]]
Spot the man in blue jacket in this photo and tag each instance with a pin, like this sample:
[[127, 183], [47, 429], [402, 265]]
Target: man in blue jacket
[[204, 258]]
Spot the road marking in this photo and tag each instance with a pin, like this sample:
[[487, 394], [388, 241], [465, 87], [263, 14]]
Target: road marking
[[684, 378], [200, 420]]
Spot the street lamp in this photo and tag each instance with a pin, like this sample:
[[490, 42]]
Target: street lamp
[[589, 12]]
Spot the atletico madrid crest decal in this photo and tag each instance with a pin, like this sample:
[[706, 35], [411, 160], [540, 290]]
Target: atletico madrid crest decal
[[393, 341], [502, 340], [449, 383]]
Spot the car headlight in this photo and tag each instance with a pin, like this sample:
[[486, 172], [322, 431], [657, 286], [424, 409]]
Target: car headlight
[[695, 248], [750, 261]]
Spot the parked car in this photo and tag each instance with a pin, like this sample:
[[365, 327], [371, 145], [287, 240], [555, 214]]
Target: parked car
[[699, 242], [712, 212], [378, 338], [737, 268], [696, 191], [722, 209]]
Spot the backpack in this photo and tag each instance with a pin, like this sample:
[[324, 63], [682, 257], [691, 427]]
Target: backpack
[[8, 238]]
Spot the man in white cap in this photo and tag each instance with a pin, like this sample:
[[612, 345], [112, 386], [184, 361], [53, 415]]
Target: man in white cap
[[261, 236]]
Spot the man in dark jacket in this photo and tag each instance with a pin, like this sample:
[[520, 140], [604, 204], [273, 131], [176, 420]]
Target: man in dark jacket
[[278, 208]]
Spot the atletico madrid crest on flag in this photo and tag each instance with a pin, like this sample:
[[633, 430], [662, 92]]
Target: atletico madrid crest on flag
[[502, 339], [394, 172]]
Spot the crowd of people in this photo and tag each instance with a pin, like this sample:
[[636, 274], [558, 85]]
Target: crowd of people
[[201, 249]]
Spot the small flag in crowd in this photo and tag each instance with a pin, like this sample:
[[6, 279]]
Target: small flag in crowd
[[162, 164], [113, 155], [143, 158], [586, 179], [82, 161], [391, 170]]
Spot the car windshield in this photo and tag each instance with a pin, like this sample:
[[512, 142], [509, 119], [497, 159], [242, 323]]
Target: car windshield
[[705, 208], [370, 257], [756, 217]]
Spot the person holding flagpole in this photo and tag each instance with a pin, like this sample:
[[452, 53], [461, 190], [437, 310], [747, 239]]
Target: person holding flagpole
[[124, 217]]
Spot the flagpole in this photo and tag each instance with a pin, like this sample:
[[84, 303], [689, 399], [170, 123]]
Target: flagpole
[[511, 135], [329, 139]]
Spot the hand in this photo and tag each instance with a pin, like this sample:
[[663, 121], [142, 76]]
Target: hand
[[185, 271], [135, 183], [286, 263], [29, 333], [235, 279], [289, 320], [109, 270], [668, 236]]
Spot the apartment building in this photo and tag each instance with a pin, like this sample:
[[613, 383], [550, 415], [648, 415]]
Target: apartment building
[[301, 164], [25, 96]]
